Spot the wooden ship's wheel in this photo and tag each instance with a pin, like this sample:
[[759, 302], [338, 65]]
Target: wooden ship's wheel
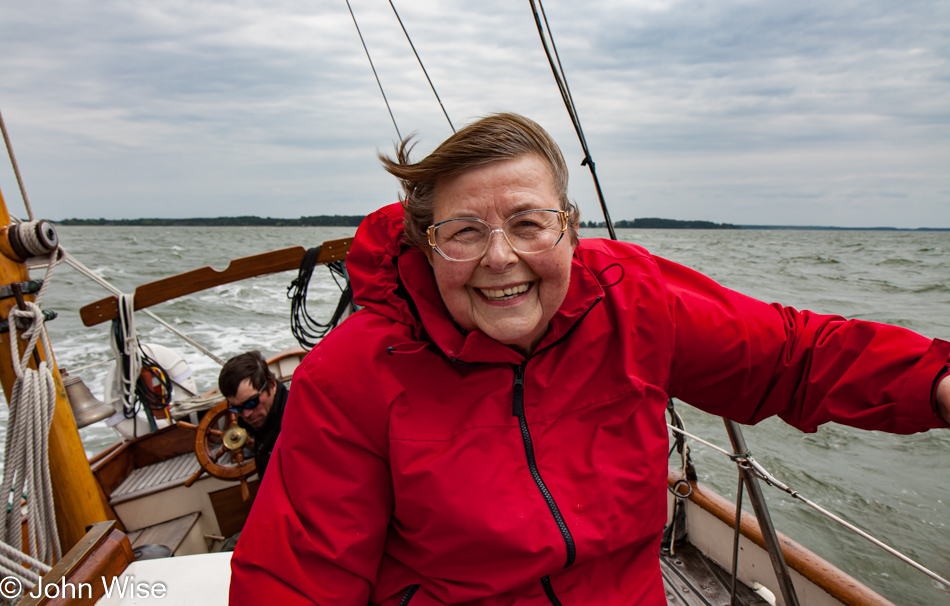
[[220, 445]]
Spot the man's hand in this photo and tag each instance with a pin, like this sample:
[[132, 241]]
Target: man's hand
[[943, 398]]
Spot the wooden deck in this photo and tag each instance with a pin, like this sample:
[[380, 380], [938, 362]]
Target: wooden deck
[[692, 580], [170, 533], [155, 477]]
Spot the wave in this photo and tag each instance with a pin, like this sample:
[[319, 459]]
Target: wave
[[940, 287], [820, 259], [898, 262]]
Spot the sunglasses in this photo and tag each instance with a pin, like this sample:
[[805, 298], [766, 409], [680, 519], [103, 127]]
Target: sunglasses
[[249, 403]]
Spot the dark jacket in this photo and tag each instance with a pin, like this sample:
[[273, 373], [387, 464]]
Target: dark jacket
[[420, 460]]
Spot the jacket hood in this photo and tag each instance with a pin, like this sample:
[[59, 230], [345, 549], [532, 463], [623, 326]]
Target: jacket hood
[[371, 265], [395, 280]]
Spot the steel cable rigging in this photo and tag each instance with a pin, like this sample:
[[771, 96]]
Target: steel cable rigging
[[561, 80], [418, 58]]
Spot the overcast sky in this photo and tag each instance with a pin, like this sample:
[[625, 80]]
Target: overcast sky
[[741, 111]]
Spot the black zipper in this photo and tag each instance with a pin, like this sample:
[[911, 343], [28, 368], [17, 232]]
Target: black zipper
[[549, 590], [517, 399], [517, 409], [410, 591]]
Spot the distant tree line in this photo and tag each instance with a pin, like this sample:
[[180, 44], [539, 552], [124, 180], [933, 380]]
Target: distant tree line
[[652, 223], [245, 221], [354, 221]]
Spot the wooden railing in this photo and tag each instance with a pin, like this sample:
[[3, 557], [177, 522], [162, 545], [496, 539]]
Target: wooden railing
[[83, 574], [203, 278]]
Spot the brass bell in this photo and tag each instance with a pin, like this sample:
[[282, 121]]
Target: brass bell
[[86, 408]]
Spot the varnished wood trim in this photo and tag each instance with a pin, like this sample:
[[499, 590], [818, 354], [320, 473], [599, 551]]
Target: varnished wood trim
[[112, 469], [834, 581], [203, 278], [102, 453], [334, 250], [166, 443], [103, 553], [196, 280]]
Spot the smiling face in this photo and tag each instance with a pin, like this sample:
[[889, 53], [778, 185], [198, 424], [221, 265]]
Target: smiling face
[[509, 297]]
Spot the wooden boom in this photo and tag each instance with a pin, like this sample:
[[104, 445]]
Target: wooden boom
[[203, 278]]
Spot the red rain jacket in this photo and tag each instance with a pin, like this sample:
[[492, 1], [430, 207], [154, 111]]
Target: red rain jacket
[[420, 465]]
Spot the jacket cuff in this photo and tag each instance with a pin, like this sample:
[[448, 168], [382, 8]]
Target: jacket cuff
[[915, 394]]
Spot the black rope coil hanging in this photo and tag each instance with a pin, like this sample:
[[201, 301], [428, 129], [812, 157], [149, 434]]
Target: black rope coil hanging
[[305, 328], [154, 386]]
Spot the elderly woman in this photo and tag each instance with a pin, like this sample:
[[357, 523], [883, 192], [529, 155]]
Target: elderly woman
[[489, 428]]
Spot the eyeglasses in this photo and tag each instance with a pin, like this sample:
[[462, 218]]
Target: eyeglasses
[[528, 232], [249, 403]]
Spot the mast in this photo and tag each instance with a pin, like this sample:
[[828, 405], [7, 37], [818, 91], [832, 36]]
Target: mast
[[77, 498]]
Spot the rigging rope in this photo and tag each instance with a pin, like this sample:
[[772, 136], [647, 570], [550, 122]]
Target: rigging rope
[[128, 357], [675, 531], [16, 168], [84, 270], [745, 459], [380, 84], [141, 380], [81, 268], [561, 79], [12, 562], [76, 371], [432, 86], [26, 457]]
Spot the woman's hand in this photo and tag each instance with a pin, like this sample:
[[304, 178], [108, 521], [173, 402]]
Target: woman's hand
[[943, 398]]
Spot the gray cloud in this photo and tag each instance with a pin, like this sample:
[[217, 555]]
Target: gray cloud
[[739, 111]]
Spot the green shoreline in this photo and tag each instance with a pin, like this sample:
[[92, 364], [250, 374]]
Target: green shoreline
[[242, 221], [354, 221]]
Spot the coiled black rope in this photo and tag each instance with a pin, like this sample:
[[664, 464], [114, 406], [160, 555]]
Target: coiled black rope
[[304, 327], [158, 395]]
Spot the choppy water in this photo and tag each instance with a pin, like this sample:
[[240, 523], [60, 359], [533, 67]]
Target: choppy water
[[898, 487]]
